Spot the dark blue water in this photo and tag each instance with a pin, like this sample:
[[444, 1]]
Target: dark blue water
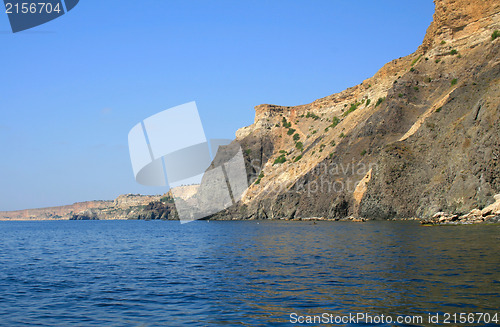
[[158, 273]]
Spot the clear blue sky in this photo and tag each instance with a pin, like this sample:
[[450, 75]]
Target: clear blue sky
[[72, 89]]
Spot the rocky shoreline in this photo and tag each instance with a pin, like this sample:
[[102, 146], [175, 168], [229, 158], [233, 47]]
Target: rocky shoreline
[[488, 215], [143, 207]]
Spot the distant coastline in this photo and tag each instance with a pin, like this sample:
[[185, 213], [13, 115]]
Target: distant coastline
[[161, 207]]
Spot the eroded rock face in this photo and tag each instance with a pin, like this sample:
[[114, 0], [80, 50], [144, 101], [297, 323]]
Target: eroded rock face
[[54, 213], [158, 210], [90, 214], [429, 134], [456, 19], [132, 200], [128, 206]]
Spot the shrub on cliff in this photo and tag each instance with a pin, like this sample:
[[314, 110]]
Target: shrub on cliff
[[286, 124], [261, 175], [281, 159], [379, 101], [311, 115], [495, 34], [353, 107], [415, 60], [335, 121]]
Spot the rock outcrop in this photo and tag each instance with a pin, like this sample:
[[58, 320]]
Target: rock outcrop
[[419, 137], [54, 213], [127, 206], [490, 214]]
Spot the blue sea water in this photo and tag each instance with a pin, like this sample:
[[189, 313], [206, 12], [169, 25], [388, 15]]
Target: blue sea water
[[240, 273]]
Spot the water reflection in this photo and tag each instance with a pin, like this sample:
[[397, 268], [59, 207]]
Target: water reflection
[[240, 273], [377, 267]]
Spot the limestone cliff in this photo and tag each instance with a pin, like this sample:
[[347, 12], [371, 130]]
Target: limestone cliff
[[127, 206], [421, 136], [53, 213]]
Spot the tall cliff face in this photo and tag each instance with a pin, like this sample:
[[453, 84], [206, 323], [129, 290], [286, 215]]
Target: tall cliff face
[[455, 19], [420, 136]]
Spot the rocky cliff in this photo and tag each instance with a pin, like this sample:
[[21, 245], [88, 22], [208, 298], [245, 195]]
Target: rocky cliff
[[53, 213], [127, 206], [419, 137]]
